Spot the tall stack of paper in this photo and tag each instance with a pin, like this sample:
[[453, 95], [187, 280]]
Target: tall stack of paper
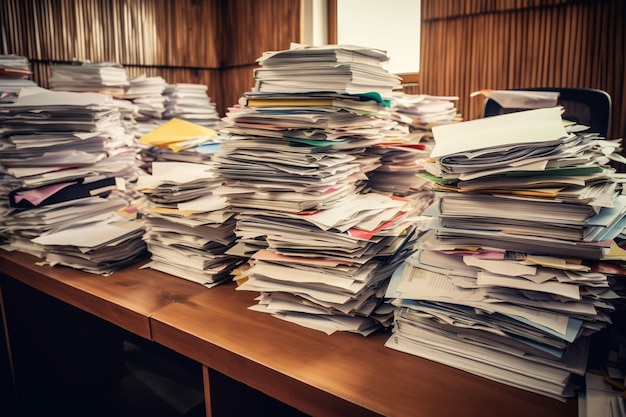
[[188, 227], [305, 69], [66, 160], [191, 102], [295, 168], [147, 93], [15, 74], [99, 77], [505, 284]]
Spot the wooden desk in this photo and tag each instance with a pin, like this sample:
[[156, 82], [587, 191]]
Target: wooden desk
[[127, 298], [338, 375]]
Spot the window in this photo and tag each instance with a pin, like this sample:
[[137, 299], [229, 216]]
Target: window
[[392, 25]]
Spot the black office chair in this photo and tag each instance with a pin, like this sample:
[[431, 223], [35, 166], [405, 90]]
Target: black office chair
[[586, 106]]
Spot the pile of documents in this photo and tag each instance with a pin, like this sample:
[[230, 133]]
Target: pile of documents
[[342, 70], [66, 161], [102, 245], [191, 102], [99, 77], [327, 269], [179, 140], [295, 168], [400, 169], [506, 283], [147, 93], [191, 134], [15, 74], [188, 227], [402, 156], [421, 112]]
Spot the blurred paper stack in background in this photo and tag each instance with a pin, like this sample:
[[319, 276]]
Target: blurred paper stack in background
[[191, 102], [15, 73], [147, 94], [99, 77], [422, 112]]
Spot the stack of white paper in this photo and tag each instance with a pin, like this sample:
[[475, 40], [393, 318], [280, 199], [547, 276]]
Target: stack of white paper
[[188, 228], [296, 168], [527, 169], [147, 94], [15, 74], [409, 144], [60, 152], [400, 169], [20, 227], [97, 77], [507, 283], [100, 246], [52, 136], [326, 270], [423, 111], [19, 64], [191, 102], [340, 69], [100, 77]]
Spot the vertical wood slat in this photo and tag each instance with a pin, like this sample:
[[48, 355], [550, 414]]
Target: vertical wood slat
[[530, 52]]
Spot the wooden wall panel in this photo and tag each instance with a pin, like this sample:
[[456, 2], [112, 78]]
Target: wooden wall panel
[[147, 32], [253, 27], [468, 45], [194, 41]]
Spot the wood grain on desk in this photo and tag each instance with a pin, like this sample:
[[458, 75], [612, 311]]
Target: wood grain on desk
[[338, 375], [127, 298]]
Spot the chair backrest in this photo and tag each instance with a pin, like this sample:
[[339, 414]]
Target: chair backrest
[[587, 106]]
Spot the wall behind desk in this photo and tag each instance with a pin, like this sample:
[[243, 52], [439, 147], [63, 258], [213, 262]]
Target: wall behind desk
[[468, 45], [211, 42]]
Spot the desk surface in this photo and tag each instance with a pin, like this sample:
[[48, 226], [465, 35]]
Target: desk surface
[[338, 375], [126, 299]]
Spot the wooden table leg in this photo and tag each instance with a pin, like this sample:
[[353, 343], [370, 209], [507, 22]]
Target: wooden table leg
[[207, 390]]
